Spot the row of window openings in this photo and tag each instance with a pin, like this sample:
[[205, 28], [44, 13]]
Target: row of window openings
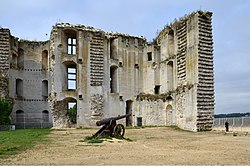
[[71, 83], [19, 88], [72, 48]]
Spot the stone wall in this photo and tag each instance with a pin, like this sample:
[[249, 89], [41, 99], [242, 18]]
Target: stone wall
[[205, 90], [96, 60], [32, 100], [4, 61], [166, 82]]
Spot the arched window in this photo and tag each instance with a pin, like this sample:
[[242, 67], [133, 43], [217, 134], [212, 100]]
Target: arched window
[[113, 48], [14, 60], [113, 79], [45, 116], [19, 87], [170, 76], [20, 58], [169, 115], [45, 88], [171, 43], [70, 35], [45, 60]]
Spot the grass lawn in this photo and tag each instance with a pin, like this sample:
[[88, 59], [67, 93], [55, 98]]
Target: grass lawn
[[12, 142]]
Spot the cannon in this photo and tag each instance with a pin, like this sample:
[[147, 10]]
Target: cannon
[[110, 128]]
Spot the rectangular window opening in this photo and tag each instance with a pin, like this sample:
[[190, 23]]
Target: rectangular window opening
[[157, 89], [71, 46], [71, 78], [149, 56]]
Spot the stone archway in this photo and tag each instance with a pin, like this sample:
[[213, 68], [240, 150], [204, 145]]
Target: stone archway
[[169, 115]]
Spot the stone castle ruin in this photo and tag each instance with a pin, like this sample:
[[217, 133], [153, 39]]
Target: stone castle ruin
[[169, 81]]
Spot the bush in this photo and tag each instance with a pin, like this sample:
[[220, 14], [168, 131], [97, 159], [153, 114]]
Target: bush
[[5, 111]]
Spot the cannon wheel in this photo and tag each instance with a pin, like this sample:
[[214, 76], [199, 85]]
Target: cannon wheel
[[119, 131]]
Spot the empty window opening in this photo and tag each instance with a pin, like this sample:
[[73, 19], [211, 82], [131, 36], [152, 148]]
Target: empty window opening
[[171, 43], [113, 49], [170, 77], [139, 121], [45, 116], [20, 58], [19, 87], [113, 79], [72, 111], [129, 105], [149, 56], [71, 78], [72, 46], [45, 60], [157, 89], [45, 88], [14, 61]]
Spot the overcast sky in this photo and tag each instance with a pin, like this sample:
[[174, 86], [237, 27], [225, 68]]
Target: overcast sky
[[33, 19]]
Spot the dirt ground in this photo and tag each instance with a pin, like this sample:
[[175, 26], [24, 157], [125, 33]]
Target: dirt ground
[[150, 146]]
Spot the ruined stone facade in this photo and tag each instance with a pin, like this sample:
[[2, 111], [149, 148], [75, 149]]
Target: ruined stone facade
[[169, 81]]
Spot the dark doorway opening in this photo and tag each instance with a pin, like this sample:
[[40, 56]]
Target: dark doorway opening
[[139, 121], [129, 105]]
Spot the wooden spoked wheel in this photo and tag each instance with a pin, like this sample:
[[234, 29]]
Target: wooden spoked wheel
[[119, 131]]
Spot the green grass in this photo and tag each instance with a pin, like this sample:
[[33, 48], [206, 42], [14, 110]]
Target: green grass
[[93, 140], [13, 142]]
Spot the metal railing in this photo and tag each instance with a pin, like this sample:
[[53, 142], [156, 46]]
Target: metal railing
[[23, 121], [235, 123]]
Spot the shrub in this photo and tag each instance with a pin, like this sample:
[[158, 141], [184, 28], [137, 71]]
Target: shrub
[[5, 111], [72, 114]]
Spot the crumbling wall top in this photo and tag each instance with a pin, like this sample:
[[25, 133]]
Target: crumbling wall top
[[92, 29], [179, 21]]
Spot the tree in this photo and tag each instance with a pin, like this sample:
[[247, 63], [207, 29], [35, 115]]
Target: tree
[[5, 111], [72, 112]]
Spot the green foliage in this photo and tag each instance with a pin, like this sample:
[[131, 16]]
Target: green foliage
[[5, 111], [12, 142], [72, 114], [92, 140]]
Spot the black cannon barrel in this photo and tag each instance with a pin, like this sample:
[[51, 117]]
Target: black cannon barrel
[[107, 120]]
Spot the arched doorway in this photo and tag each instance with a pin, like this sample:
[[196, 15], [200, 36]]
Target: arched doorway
[[129, 105], [169, 115], [71, 107], [45, 119], [20, 119]]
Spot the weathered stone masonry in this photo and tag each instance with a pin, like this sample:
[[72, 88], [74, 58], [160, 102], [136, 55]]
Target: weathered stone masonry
[[166, 82]]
